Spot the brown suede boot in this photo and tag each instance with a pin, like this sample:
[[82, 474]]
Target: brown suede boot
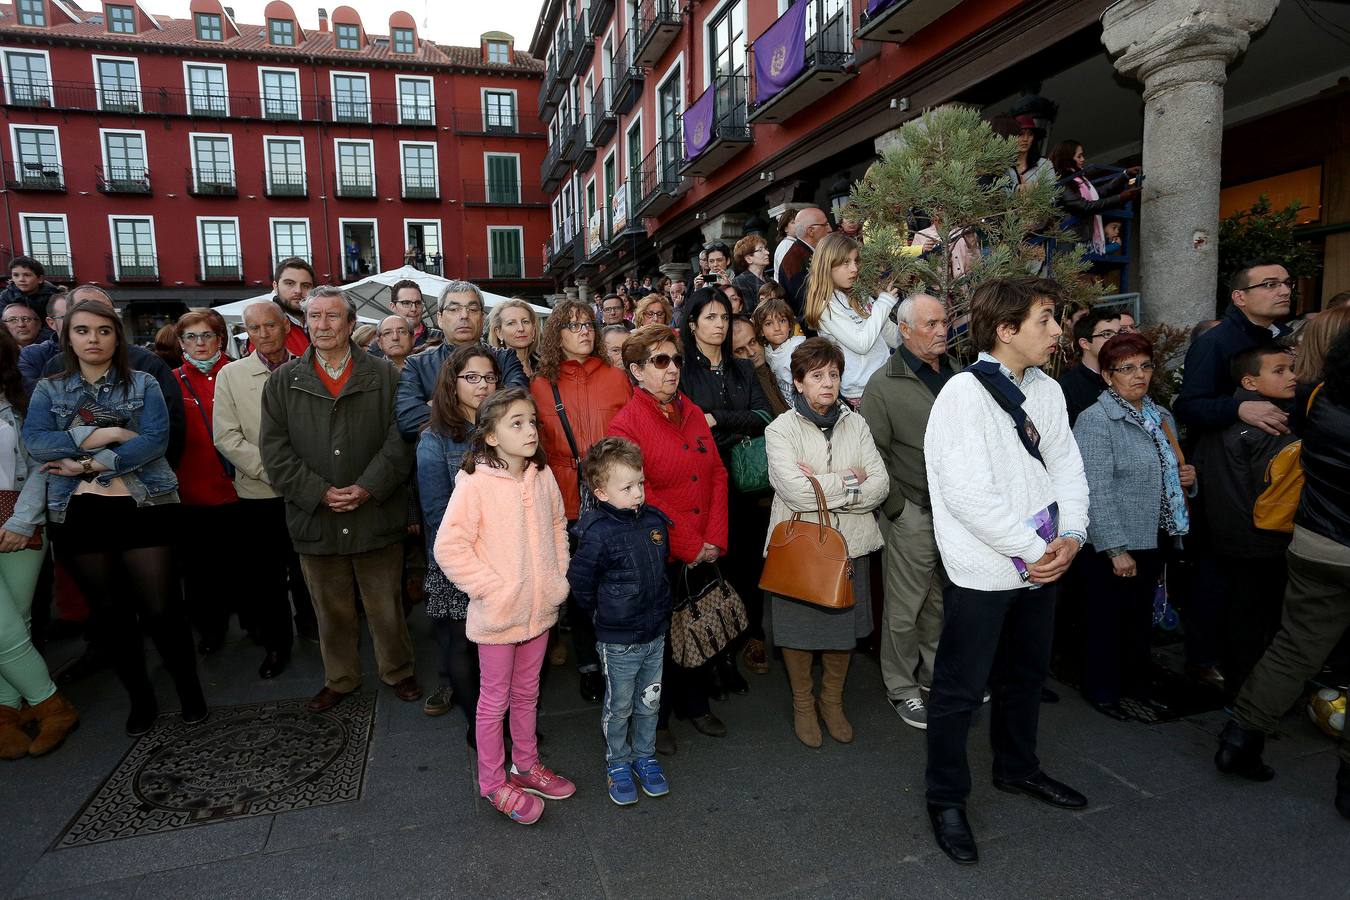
[[835, 664], [56, 718], [14, 741], [798, 665]]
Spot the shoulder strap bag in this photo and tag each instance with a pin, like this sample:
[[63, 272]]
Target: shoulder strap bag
[[706, 619], [750, 461], [225, 464], [587, 498], [809, 561]]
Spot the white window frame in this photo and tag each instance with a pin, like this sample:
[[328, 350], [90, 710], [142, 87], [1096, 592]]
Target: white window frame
[[274, 221], [332, 93], [113, 219], [98, 83], [187, 83], [402, 172], [103, 147], [515, 104], [398, 94], [14, 130], [674, 70], [440, 236], [25, 51], [267, 156], [23, 233], [607, 78], [375, 240], [262, 92], [192, 154], [520, 237], [487, 174], [337, 165], [201, 243]]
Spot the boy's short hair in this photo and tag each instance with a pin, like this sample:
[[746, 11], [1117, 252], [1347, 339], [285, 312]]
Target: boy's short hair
[[1083, 328], [294, 262], [606, 454], [1006, 301], [1250, 361], [27, 262]]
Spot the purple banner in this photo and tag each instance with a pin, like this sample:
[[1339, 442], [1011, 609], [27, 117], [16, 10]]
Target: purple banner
[[876, 6], [698, 123], [780, 52]]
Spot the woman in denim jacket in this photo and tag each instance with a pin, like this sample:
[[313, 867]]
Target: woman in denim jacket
[[468, 378], [24, 677], [101, 430]]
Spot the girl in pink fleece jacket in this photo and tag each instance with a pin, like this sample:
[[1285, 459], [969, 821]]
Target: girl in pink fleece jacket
[[504, 542]]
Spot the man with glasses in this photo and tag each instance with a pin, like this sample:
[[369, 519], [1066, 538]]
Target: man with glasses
[[33, 359], [23, 322], [808, 228], [394, 340], [460, 316], [1084, 383], [406, 300], [611, 312]]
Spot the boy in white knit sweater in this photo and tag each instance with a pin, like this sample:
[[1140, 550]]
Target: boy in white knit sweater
[[1009, 504]]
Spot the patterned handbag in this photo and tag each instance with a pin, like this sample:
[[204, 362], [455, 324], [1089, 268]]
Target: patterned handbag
[[706, 618]]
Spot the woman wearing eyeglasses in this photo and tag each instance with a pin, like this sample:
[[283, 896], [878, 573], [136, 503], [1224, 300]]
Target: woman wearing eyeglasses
[[1139, 483], [686, 480], [573, 373]]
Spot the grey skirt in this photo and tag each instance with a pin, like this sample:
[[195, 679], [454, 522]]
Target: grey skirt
[[804, 626]]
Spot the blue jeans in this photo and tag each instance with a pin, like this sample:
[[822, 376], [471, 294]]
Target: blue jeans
[[632, 697]]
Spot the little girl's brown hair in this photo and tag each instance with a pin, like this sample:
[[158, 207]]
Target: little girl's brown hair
[[490, 415], [770, 309]]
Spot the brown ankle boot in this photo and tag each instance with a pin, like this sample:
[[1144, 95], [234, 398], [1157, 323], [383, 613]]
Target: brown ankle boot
[[798, 665], [14, 741], [835, 664], [56, 718]]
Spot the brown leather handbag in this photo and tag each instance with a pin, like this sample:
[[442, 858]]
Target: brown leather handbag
[[809, 561]]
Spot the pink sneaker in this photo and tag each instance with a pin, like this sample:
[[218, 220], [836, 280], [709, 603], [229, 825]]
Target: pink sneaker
[[515, 803], [542, 782]]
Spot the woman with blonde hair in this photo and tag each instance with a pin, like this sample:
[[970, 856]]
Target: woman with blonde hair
[[515, 325], [863, 330], [653, 309], [1314, 343]]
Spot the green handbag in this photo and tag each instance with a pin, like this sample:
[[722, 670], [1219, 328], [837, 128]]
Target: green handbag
[[750, 462]]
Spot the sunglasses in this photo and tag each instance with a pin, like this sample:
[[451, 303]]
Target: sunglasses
[[663, 360]]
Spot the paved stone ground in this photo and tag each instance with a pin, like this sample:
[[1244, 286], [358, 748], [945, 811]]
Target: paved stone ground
[[754, 814]]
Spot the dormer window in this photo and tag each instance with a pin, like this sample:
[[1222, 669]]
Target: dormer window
[[499, 52], [281, 32], [404, 41], [209, 27], [33, 12], [348, 37], [121, 19]]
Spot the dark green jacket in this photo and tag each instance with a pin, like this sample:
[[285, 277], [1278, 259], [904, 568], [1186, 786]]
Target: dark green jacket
[[896, 405], [312, 441]]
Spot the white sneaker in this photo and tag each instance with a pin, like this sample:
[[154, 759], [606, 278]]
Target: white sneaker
[[912, 712]]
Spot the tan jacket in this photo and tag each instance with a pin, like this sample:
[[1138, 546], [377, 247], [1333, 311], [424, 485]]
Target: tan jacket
[[791, 439], [237, 424]]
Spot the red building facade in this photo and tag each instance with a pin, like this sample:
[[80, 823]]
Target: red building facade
[[632, 188], [178, 159]]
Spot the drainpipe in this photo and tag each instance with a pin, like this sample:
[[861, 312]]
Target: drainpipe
[[323, 172]]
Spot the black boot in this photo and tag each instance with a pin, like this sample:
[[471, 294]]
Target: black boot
[[729, 676], [1240, 753], [1343, 789]]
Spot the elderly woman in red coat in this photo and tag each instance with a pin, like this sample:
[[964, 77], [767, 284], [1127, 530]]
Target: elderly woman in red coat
[[685, 479]]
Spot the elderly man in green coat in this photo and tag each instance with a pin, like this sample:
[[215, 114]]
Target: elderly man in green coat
[[332, 450]]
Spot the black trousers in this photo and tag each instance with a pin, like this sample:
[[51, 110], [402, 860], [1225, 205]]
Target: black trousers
[[995, 638], [264, 604], [1118, 620], [684, 692], [1251, 617], [209, 539], [583, 629]]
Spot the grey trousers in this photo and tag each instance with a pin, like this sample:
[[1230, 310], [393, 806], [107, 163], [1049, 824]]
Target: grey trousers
[[913, 609]]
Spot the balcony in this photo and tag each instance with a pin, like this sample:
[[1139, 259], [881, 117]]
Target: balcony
[[30, 93], [580, 148], [210, 103], [828, 61], [351, 111], [503, 193], [37, 176], [354, 185], [123, 179], [133, 268], [286, 183], [420, 186], [599, 15], [549, 95], [212, 181], [220, 267], [552, 170], [569, 54], [416, 114], [127, 100], [658, 23], [58, 266], [628, 75], [282, 109], [481, 268], [715, 126], [583, 44], [569, 136], [896, 21], [658, 179], [603, 120]]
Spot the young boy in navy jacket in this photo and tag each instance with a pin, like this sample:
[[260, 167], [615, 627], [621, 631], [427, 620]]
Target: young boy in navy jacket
[[618, 578]]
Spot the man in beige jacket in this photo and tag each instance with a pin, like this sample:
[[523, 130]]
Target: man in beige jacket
[[237, 426]]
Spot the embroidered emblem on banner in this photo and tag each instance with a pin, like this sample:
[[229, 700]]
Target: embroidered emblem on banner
[[779, 60], [700, 133]]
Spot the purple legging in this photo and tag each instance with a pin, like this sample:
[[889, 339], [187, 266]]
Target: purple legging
[[508, 677]]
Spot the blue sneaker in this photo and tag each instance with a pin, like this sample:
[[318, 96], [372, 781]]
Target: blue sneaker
[[621, 788], [650, 776]]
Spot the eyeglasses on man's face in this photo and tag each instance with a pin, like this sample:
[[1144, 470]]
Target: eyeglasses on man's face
[[20, 320], [411, 303], [1271, 284], [390, 332], [475, 378], [455, 309]]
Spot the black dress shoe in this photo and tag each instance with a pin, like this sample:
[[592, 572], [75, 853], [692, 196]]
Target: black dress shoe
[[142, 718], [710, 725], [1049, 696], [592, 686], [1045, 789], [731, 677], [273, 664], [953, 835], [1240, 753], [1112, 710]]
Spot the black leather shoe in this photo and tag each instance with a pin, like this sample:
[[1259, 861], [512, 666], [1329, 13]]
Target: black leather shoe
[[273, 664], [1112, 710], [1049, 696], [1240, 753], [592, 686], [717, 688], [710, 725], [1045, 789], [142, 718], [952, 832], [665, 742]]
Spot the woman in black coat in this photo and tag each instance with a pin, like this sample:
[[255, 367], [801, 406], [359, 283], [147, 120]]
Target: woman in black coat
[[731, 398], [1083, 200]]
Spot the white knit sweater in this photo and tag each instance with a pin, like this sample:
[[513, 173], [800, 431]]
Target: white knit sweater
[[984, 485]]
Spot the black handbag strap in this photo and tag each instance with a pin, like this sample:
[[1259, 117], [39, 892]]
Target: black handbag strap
[[566, 426], [1010, 399], [225, 464]]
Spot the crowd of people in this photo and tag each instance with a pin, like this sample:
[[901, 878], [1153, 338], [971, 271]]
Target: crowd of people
[[572, 488]]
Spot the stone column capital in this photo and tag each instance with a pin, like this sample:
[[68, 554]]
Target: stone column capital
[[675, 271]]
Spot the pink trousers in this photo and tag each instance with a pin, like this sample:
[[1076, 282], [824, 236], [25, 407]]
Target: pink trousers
[[509, 677]]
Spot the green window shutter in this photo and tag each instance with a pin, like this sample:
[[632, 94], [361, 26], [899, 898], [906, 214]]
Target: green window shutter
[[506, 261], [503, 185]]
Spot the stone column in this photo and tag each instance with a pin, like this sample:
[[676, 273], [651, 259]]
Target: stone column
[[727, 228], [1180, 51], [584, 290], [676, 271]]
